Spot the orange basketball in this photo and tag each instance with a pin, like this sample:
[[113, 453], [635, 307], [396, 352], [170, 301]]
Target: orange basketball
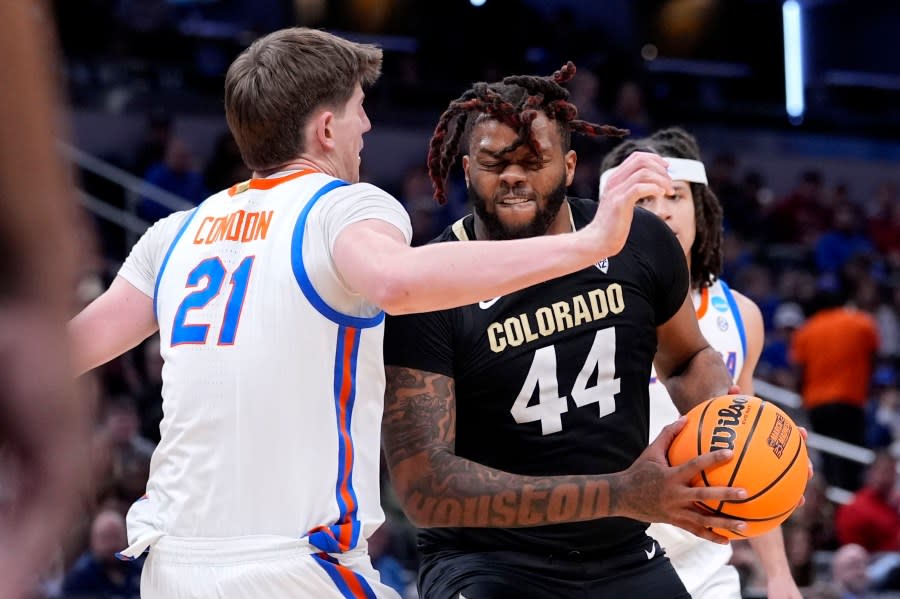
[[770, 459]]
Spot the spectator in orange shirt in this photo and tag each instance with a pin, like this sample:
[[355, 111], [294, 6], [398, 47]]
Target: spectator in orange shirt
[[872, 519], [834, 351]]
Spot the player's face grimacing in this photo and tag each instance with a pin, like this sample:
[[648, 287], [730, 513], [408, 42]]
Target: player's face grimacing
[[677, 211], [518, 194]]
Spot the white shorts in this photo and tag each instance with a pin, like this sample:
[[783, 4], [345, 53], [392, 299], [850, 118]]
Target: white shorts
[[705, 572], [267, 567]]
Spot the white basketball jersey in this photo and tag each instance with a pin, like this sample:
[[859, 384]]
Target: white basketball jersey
[[720, 322], [273, 380]]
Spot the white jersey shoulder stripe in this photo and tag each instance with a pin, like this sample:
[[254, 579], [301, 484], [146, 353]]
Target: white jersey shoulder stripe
[[729, 297], [303, 278], [162, 267]]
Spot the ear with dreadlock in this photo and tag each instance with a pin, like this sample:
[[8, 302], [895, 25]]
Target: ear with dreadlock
[[516, 102]]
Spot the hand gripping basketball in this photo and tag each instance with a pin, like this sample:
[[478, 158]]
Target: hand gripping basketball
[[654, 491], [770, 459]]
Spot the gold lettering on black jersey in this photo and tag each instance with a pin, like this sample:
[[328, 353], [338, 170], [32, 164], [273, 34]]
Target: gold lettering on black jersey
[[555, 318]]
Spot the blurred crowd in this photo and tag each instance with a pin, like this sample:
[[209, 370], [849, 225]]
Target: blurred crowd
[[820, 258]]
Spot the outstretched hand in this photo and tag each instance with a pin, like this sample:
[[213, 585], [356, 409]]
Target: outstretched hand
[[642, 174], [653, 491]]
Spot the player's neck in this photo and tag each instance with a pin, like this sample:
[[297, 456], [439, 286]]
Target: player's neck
[[295, 165], [563, 223]]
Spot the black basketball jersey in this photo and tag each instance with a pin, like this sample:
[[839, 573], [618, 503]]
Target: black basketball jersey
[[553, 379]]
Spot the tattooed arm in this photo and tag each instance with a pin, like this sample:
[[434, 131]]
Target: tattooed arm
[[438, 488]]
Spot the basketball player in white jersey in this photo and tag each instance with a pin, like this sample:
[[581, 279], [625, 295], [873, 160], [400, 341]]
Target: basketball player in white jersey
[[269, 301], [733, 325]]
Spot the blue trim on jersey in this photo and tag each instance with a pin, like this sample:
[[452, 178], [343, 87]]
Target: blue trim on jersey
[[737, 315], [351, 402], [342, 447], [303, 278], [165, 261], [333, 569], [345, 477]]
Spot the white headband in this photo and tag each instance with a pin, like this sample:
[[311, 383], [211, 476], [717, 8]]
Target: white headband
[[680, 169]]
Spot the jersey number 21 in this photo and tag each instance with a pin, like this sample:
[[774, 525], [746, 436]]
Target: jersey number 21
[[213, 271]]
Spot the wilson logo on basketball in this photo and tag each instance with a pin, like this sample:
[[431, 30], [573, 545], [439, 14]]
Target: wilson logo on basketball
[[723, 435], [779, 435]]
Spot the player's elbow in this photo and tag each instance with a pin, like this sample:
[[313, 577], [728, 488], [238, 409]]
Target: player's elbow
[[418, 495], [393, 293], [421, 510], [412, 498]]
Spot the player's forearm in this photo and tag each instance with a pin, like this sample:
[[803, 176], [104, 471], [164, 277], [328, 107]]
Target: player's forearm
[[112, 324], [769, 548], [445, 275], [439, 489], [704, 376]]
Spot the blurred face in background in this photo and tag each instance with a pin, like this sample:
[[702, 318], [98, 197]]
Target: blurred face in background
[[677, 211], [108, 536]]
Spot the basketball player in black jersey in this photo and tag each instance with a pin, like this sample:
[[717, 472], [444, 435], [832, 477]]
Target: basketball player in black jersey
[[516, 428]]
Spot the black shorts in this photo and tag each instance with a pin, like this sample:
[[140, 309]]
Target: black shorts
[[641, 572]]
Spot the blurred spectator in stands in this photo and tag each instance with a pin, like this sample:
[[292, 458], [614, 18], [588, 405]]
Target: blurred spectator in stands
[[744, 211], [423, 215], [797, 284], [739, 205], [843, 240], [869, 297], [755, 281], [584, 92], [225, 166], [630, 110], [176, 174], [872, 519], [816, 515], [121, 424], [723, 179], [848, 570], [887, 195], [774, 364], [883, 410], [834, 352], [884, 222], [427, 217], [586, 183], [122, 456], [801, 216], [155, 138], [737, 255], [97, 573]]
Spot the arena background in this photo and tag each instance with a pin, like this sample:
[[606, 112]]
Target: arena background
[[805, 159]]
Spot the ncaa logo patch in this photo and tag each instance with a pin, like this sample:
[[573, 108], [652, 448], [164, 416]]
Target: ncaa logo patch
[[603, 265], [722, 323], [719, 304]]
